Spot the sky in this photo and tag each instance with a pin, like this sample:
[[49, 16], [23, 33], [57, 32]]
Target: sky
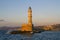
[[44, 12]]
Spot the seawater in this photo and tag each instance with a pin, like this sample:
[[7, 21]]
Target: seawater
[[47, 35]]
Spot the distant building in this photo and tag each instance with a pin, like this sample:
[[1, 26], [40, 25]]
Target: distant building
[[28, 26], [48, 27]]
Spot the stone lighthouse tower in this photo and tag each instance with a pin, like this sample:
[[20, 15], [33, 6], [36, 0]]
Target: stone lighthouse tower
[[30, 16], [28, 26]]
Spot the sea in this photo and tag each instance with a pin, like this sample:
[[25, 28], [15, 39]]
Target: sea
[[46, 35]]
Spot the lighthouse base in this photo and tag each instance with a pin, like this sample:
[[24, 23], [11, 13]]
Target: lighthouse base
[[26, 27]]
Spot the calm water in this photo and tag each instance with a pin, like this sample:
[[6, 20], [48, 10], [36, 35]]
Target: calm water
[[47, 35]]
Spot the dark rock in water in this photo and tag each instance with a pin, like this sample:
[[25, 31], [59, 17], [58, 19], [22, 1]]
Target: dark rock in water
[[35, 31], [20, 32], [24, 32], [21, 39]]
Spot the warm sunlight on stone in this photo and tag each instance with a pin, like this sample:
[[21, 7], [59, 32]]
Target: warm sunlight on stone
[[28, 27]]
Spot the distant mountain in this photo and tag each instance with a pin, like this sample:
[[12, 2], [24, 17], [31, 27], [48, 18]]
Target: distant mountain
[[8, 28]]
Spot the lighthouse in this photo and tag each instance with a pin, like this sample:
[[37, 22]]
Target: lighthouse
[[30, 16], [28, 26]]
